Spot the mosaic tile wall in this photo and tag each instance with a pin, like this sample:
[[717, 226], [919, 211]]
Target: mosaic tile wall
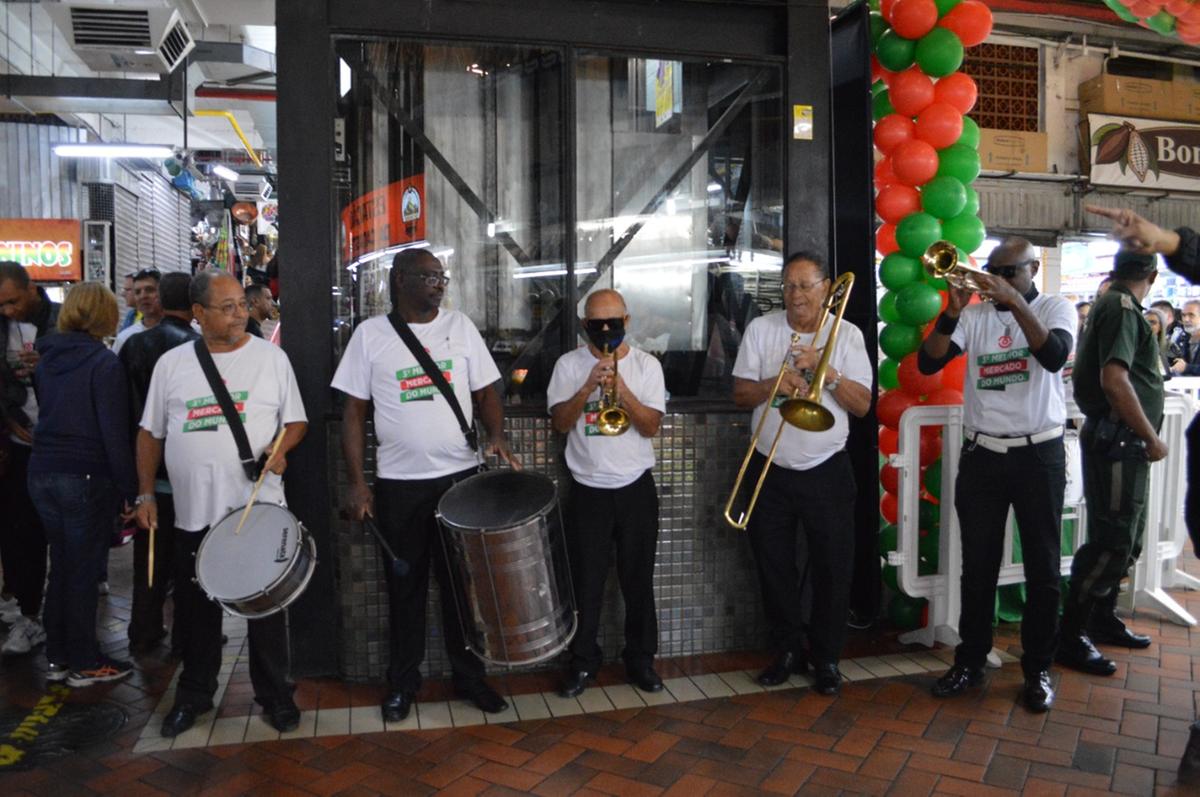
[[704, 581]]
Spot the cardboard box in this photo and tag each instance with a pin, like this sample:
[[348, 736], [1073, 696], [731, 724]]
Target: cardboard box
[[1127, 96], [1187, 100], [1008, 150]]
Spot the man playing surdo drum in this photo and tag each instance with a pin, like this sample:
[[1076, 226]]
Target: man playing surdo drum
[[183, 419]]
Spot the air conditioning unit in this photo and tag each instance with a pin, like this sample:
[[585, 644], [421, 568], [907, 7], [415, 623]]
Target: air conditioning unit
[[124, 37], [253, 189]]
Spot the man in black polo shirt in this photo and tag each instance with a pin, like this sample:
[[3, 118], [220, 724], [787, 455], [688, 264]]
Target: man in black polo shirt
[[1119, 387]]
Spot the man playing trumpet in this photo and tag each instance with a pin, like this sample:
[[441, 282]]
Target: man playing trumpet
[[609, 414], [810, 481]]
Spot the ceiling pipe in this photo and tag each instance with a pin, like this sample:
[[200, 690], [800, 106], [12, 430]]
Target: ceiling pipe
[[237, 129], [216, 93]]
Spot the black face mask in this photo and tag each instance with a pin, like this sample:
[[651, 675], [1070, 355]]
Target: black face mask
[[605, 332]]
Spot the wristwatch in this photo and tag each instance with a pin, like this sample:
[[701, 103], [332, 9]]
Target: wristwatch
[[143, 498], [833, 384]]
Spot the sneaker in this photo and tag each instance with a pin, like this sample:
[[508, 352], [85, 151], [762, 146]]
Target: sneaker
[[56, 672], [10, 610], [103, 670], [25, 635]]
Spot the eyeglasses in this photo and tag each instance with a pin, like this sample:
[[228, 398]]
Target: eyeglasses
[[230, 309], [1007, 271], [432, 280], [598, 324], [801, 287], [147, 274]]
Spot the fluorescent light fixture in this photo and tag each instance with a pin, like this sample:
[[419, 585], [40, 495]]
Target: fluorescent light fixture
[[714, 188], [225, 173], [345, 81], [112, 151]]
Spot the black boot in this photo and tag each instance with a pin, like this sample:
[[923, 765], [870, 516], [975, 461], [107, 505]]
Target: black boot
[[1105, 628], [1189, 765], [1075, 650]]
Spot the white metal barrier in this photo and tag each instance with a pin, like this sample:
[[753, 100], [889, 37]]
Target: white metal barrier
[[1164, 542]]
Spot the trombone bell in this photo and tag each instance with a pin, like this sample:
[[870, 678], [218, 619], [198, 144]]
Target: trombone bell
[[808, 416]]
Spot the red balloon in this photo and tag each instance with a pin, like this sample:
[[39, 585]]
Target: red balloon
[[970, 20], [931, 446], [1145, 8], [954, 373], [885, 8], [913, 382], [912, 19], [883, 173], [885, 239], [889, 441], [891, 406], [914, 162], [939, 125], [888, 507], [894, 202], [946, 395], [894, 129], [911, 91], [957, 89], [889, 478]]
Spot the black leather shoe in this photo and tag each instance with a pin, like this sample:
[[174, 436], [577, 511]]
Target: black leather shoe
[[956, 680], [1111, 631], [180, 719], [1189, 765], [575, 682], [396, 706], [1038, 694], [1078, 653], [483, 696], [283, 717], [782, 668], [645, 678], [827, 679]]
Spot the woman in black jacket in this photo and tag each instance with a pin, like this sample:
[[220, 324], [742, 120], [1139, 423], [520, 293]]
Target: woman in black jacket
[[80, 469]]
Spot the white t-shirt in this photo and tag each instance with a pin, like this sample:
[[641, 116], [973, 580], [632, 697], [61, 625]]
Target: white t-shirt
[[21, 336], [768, 338], [1006, 391], [595, 459], [419, 436], [207, 477], [127, 333]]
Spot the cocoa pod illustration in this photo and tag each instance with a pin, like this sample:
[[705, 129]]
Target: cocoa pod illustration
[[1138, 155], [1114, 145]]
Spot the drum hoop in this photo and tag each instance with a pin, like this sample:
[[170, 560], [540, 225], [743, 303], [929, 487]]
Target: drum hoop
[[496, 529], [286, 571], [230, 605]]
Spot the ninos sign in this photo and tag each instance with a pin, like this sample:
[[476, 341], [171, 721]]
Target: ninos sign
[[1143, 153], [47, 248]]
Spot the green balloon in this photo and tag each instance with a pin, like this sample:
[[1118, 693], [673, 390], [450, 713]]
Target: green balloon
[[889, 374], [927, 546], [1121, 11], [929, 515], [890, 578], [895, 52], [1162, 22], [966, 232], [887, 539], [898, 270], [916, 232], [970, 133], [881, 105], [877, 87], [943, 197], [937, 283], [899, 340], [958, 161], [933, 479], [972, 206], [939, 52], [945, 5], [879, 26], [874, 5], [904, 612], [887, 309], [918, 304]]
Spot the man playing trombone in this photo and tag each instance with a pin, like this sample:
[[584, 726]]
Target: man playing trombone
[[1014, 413], [810, 481], [613, 501]]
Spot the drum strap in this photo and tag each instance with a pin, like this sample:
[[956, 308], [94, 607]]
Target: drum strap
[[435, 375], [250, 465]]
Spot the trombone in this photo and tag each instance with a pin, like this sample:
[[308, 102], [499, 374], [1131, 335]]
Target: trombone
[[803, 412]]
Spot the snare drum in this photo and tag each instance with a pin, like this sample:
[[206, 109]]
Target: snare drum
[[263, 569]]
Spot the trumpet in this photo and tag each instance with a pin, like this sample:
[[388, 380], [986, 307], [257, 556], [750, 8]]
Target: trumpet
[[804, 412], [941, 261], [612, 420]]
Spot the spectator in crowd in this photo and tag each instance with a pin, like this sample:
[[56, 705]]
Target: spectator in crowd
[[131, 315], [145, 296], [28, 316], [1173, 331], [1081, 311], [262, 308], [1187, 351], [81, 467], [1104, 284], [1158, 324]]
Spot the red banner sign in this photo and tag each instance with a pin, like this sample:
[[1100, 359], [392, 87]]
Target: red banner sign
[[384, 217], [47, 248]]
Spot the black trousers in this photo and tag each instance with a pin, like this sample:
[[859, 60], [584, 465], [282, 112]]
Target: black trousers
[[1192, 503], [200, 620], [406, 517], [597, 520], [821, 501], [146, 615], [22, 538], [1031, 479]]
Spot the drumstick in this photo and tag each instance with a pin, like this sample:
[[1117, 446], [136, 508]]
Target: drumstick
[[150, 558], [258, 484]]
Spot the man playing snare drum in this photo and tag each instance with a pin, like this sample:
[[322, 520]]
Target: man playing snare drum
[[208, 482], [423, 451]]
